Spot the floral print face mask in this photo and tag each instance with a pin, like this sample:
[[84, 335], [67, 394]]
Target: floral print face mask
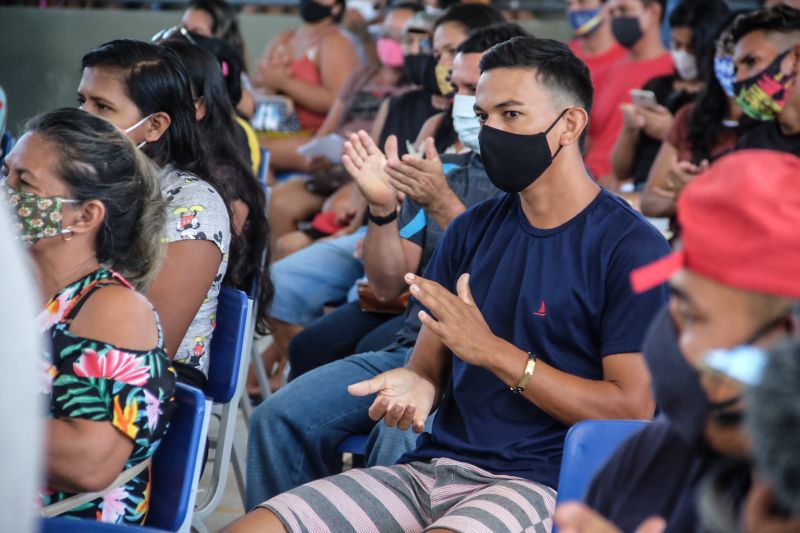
[[38, 217]]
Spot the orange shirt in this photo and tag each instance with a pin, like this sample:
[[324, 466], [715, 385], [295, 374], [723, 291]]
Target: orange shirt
[[614, 89], [306, 70]]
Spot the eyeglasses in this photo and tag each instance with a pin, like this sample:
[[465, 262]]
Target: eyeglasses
[[169, 33]]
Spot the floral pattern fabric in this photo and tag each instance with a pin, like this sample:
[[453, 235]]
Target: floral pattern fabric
[[197, 212], [93, 380]]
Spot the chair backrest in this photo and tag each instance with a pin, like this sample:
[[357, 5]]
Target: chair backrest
[[227, 345], [263, 169], [175, 460], [589, 444]]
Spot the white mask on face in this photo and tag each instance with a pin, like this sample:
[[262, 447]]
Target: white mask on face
[[685, 64], [131, 128], [465, 122]]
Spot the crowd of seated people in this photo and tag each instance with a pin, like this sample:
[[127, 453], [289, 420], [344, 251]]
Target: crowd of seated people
[[469, 275]]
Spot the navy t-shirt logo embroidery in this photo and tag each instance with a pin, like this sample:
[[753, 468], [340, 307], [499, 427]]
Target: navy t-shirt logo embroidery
[[542, 310]]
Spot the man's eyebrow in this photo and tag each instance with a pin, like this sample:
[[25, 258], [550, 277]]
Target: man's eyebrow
[[508, 103], [680, 293]]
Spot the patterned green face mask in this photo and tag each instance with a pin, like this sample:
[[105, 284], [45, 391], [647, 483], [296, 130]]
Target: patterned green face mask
[[37, 216]]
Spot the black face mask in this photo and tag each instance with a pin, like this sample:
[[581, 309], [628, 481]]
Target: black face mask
[[627, 30], [311, 11], [676, 384], [421, 70], [514, 161]]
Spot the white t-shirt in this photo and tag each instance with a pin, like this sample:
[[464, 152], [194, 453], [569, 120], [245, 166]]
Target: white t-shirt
[[196, 211]]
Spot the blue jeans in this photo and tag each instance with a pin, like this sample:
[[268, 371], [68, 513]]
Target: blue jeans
[[344, 331], [293, 434], [314, 276]]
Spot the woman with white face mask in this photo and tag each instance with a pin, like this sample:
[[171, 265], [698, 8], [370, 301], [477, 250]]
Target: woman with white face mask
[[144, 91], [693, 24], [702, 132]]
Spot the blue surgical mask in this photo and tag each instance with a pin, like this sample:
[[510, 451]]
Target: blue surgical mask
[[585, 21], [465, 122], [723, 69]]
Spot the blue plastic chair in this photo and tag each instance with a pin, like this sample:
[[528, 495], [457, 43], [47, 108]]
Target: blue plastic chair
[[175, 467], [263, 168], [589, 444], [227, 372], [72, 525], [355, 444]]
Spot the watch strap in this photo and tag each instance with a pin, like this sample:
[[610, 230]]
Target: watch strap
[[382, 221]]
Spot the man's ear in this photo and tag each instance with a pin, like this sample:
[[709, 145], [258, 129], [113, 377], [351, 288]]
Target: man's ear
[[88, 217], [200, 108], [654, 11], [157, 126], [574, 121]]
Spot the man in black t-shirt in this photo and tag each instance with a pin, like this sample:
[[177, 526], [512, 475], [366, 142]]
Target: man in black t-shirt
[[733, 283], [767, 62]]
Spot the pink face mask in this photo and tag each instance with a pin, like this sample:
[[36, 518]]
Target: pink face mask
[[390, 53]]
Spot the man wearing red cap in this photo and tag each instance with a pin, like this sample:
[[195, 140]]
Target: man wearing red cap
[[733, 282]]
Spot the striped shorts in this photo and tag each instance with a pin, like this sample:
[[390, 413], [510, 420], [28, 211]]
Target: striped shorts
[[417, 497]]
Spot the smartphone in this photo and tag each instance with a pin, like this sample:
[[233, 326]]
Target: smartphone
[[743, 364], [646, 99]]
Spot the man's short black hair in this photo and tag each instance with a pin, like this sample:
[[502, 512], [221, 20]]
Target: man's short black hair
[[778, 19], [557, 68], [485, 38]]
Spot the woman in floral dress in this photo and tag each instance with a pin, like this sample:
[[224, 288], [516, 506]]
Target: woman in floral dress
[[89, 206]]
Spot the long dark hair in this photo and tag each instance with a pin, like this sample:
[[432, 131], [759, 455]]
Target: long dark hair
[[704, 18], [228, 159], [156, 82], [229, 59], [224, 23], [710, 108]]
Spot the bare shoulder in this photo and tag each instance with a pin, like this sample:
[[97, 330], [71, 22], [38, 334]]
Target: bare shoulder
[[339, 41], [119, 316]]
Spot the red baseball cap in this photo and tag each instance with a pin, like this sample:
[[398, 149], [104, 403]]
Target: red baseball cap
[[740, 226]]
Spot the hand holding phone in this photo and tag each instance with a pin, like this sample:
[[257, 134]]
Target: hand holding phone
[[645, 99]]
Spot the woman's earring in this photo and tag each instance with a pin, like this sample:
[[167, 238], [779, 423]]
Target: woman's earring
[[66, 234]]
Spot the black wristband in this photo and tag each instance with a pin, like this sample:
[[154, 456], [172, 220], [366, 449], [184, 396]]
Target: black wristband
[[382, 221]]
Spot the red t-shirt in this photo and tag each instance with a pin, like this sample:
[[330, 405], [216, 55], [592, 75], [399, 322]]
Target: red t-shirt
[[678, 136], [598, 63], [614, 90]]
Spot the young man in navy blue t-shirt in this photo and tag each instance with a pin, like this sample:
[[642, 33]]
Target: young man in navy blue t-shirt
[[543, 331]]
